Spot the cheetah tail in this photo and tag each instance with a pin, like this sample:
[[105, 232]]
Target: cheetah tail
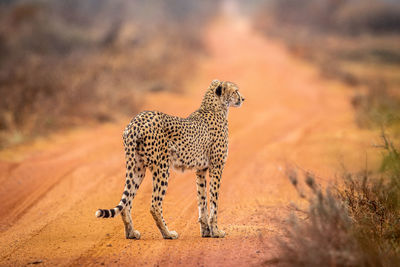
[[111, 213]]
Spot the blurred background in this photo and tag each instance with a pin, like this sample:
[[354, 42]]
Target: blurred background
[[320, 77], [354, 41], [63, 63]]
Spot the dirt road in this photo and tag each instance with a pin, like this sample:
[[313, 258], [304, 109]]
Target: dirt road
[[51, 189]]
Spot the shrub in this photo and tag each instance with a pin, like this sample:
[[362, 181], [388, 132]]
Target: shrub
[[355, 223], [369, 16], [338, 15], [377, 105], [65, 63], [322, 238], [353, 41]]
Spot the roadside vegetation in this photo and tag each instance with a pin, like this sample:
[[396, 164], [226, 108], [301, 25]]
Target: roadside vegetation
[[357, 42], [354, 223], [65, 63]]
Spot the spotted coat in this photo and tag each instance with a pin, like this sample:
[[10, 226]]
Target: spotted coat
[[156, 141]]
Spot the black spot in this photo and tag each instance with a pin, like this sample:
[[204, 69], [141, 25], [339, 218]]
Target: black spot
[[163, 192], [162, 183], [123, 200], [112, 213], [119, 207], [126, 193]]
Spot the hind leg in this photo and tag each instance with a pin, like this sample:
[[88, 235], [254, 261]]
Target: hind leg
[[130, 233], [134, 177], [160, 184]]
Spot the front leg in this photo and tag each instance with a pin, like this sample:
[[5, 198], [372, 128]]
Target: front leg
[[202, 202], [215, 179]]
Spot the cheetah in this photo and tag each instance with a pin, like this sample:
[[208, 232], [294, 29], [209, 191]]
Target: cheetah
[[157, 141]]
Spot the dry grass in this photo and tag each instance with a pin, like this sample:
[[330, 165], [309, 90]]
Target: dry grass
[[355, 223], [321, 237], [70, 63], [356, 42]]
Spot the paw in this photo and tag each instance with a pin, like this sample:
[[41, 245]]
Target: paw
[[205, 230], [134, 234], [216, 233], [171, 235]]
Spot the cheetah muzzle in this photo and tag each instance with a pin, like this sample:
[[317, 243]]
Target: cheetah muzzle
[[157, 141]]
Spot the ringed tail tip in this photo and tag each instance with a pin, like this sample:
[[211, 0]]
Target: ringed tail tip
[[99, 213]]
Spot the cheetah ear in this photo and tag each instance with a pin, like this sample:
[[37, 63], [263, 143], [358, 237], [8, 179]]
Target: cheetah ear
[[215, 81], [220, 89]]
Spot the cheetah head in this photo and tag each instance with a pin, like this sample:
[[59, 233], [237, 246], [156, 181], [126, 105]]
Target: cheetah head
[[228, 93]]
